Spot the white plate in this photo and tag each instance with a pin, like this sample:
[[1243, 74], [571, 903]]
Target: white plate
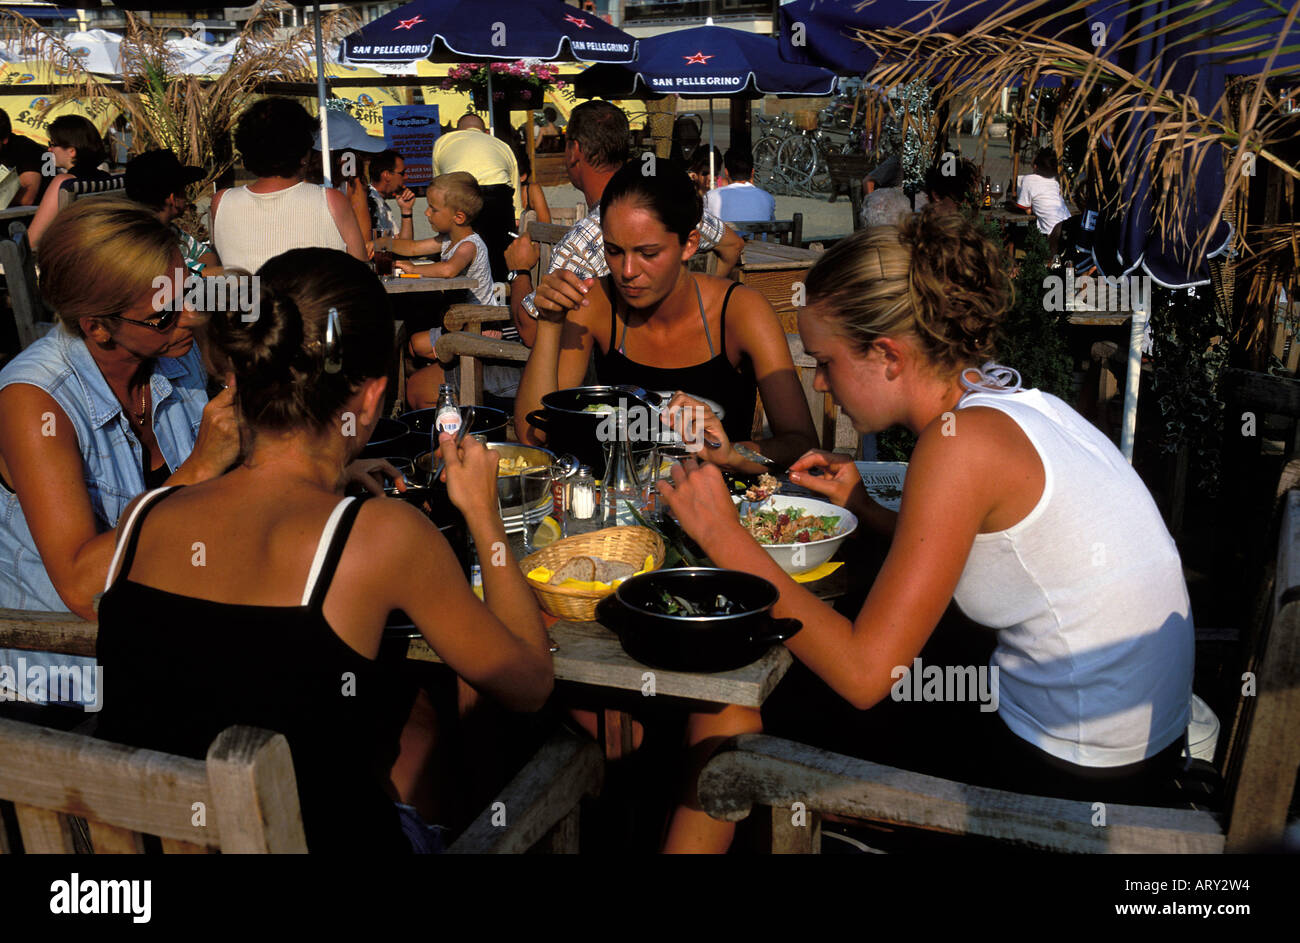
[[884, 482]]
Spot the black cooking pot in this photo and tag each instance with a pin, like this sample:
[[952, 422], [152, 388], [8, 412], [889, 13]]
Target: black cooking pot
[[569, 427], [488, 422], [386, 439], [696, 643]]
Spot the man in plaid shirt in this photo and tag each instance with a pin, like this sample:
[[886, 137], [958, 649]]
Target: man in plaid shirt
[[595, 147]]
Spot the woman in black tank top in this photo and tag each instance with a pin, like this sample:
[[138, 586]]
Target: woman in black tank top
[[668, 329], [248, 625]]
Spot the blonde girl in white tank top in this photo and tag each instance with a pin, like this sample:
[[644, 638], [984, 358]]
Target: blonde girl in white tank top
[[1007, 499]]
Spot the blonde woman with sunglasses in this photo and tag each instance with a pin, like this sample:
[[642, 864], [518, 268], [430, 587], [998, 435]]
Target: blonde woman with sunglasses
[[110, 402]]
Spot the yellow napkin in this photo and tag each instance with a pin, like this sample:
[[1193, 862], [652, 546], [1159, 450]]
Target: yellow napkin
[[813, 575], [542, 574]]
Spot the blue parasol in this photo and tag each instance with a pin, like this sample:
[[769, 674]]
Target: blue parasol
[[705, 62], [454, 30]]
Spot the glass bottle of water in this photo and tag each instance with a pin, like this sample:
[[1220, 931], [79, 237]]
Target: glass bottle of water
[[447, 418], [622, 485]]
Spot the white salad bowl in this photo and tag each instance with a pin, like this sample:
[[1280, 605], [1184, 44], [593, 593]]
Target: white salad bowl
[[802, 557]]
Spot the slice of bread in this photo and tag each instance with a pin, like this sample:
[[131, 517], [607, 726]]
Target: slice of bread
[[609, 570], [575, 568]]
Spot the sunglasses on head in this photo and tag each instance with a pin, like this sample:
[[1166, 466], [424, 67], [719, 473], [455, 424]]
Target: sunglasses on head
[[162, 323]]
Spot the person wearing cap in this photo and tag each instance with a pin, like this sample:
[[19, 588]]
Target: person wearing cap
[[350, 147], [279, 211], [491, 162], [157, 180]]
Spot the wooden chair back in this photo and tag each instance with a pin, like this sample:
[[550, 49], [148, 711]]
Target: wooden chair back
[[243, 798], [788, 232], [1262, 759], [834, 430], [462, 340], [73, 793], [546, 235], [31, 316], [77, 189], [567, 216]]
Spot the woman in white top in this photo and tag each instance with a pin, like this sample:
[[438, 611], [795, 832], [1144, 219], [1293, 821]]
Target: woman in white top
[[1014, 507], [279, 211]]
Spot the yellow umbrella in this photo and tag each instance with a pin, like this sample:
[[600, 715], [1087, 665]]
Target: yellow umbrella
[[367, 104], [26, 112]]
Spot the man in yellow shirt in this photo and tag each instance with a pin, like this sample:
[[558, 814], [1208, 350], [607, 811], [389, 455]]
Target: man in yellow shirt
[[492, 163]]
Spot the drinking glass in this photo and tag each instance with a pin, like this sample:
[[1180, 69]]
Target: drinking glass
[[537, 501], [383, 257]]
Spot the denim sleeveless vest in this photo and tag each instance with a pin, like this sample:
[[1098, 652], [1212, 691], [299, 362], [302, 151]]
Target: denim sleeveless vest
[[61, 365]]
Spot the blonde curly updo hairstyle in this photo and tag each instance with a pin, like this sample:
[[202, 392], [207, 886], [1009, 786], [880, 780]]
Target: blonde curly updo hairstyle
[[934, 276]]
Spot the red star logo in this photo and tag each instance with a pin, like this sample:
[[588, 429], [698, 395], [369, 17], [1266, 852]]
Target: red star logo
[[408, 24], [578, 22], [698, 59]]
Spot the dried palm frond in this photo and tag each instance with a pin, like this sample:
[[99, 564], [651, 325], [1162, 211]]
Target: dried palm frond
[[1246, 126]]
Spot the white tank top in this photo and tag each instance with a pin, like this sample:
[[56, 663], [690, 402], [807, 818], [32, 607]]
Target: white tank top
[[480, 269], [1095, 638], [250, 228]]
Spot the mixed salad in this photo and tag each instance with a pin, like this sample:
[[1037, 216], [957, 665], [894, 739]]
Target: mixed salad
[[790, 525]]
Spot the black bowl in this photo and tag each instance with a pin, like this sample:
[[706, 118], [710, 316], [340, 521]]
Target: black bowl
[[696, 643]]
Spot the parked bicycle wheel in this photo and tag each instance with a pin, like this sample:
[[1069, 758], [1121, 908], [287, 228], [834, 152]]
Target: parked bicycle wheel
[[765, 154], [797, 157]]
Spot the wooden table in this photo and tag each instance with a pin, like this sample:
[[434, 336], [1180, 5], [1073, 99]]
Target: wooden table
[[400, 286], [590, 654], [772, 270]]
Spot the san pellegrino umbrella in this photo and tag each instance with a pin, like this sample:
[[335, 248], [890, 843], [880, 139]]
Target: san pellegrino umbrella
[[706, 62], [505, 30]]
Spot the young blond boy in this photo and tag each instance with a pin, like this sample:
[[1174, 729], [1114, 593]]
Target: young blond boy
[[454, 202]]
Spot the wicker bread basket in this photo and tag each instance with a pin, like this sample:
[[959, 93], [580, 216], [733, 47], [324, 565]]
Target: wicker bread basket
[[625, 544]]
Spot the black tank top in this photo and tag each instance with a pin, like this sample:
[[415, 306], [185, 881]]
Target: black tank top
[[732, 388], [184, 669]]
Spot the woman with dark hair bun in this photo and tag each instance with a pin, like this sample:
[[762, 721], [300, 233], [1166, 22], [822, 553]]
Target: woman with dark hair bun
[[78, 150], [273, 589], [653, 323], [1014, 507]]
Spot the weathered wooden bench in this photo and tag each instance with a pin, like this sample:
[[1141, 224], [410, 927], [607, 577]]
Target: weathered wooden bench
[[1259, 765], [243, 798], [788, 232]]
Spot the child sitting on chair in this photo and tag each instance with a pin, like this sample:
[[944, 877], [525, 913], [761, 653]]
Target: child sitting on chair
[[454, 202]]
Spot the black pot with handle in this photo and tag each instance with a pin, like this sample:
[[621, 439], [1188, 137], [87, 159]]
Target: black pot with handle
[[570, 427], [488, 422], [387, 439], [696, 643]]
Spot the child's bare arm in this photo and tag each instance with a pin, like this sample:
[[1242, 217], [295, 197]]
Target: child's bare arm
[[454, 266]]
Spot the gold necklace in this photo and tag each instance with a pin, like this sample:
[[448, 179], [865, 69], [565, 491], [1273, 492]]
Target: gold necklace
[[144, 406]]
